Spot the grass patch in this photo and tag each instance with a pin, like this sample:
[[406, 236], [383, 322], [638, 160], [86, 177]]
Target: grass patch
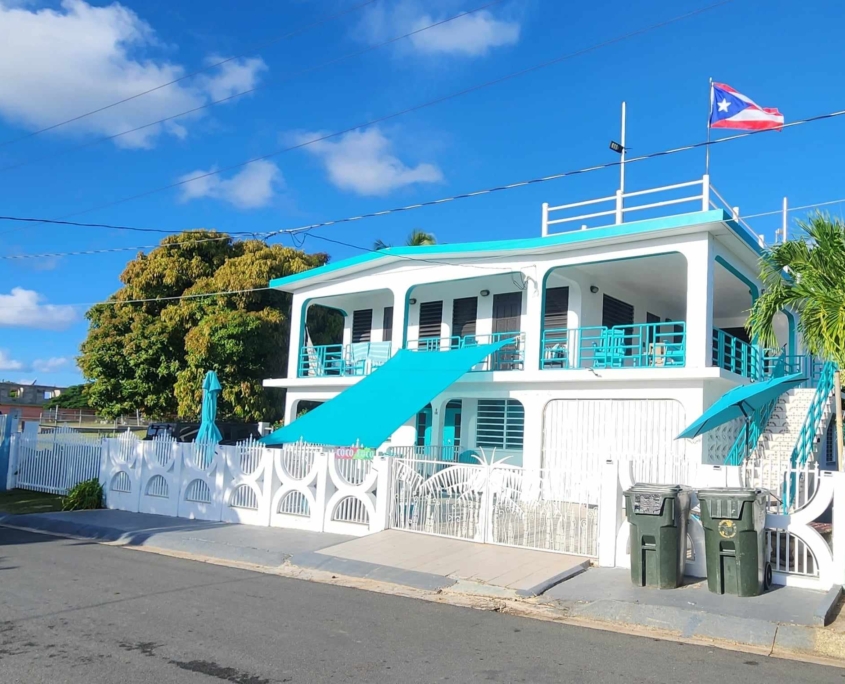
[[20, 501]]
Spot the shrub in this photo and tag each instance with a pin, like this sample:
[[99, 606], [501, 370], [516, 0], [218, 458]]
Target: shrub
[[84, 496]]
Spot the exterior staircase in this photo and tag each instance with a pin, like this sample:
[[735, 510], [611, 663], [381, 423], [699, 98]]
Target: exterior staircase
[[773, 454]]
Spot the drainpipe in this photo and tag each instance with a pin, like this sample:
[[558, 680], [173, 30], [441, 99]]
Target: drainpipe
[[837, 387]]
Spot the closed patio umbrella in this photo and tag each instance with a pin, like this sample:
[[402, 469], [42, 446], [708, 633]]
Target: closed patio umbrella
[[209, 432]]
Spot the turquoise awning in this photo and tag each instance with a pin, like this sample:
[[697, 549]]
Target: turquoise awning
[[374, 408], [741, 402]]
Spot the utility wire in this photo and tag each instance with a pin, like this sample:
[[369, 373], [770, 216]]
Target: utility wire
[[260, 86], [407, 110], [477, 193], [791, 209], [257, 46]]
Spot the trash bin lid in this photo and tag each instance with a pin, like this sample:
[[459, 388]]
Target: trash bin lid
[[646, 488], [740, 493]]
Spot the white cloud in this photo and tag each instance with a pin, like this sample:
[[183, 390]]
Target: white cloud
[[57, 64], [472, 35], [363, 162], [24, 309], [253, 187], [50, 365], [7, 363], [232, 77]]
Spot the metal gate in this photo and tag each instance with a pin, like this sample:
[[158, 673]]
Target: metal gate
[[550, 510]]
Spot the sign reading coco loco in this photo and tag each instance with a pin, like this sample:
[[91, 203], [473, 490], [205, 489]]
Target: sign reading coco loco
[[356, 453]]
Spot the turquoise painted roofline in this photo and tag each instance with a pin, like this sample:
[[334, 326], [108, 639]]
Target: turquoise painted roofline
[[528, 244]]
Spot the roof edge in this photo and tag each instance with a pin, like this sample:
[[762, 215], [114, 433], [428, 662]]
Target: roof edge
[[575, 236]]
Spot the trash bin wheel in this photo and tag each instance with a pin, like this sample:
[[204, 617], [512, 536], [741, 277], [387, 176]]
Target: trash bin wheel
[[767, 577]]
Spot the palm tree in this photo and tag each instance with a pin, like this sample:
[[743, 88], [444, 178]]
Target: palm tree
[[813, 286], [417, 238]]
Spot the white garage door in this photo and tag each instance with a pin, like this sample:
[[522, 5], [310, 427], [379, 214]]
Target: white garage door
[[580, 434]]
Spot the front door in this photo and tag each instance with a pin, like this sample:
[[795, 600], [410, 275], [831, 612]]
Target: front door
[[452, 430], [507, 318], [424, 429]]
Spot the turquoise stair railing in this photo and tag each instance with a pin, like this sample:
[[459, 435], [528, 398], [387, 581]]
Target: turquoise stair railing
[[748, 437], [805, 445]]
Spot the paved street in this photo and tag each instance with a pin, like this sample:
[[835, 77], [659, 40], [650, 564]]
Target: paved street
[[74, 611]]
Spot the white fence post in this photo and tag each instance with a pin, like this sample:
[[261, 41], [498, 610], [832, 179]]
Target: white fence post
[[14, 448], [382, 466], [838, 533], [610, 513]]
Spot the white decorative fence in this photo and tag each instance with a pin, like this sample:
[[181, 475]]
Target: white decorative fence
[[497, 503], [299, 486], [52, 461]]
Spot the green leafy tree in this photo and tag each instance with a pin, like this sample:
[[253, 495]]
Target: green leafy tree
[[152, 355], [417, 238], [813, 286], [72, 397]]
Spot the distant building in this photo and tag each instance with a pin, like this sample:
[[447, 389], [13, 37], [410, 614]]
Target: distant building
[[28, 399]]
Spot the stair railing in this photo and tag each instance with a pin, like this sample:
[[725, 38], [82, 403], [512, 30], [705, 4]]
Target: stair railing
[[805, 445], [807, 436], [748, 437]]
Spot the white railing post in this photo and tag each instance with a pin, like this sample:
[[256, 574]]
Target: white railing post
[[705, 192], [12, 475], [838, 528], [384, 482], [545, 221], [610, 513], [619, 207]]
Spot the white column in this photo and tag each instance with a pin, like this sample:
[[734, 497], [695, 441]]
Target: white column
[[296, 326], [533, 322], [699, 318], [382, 466], [400, 296], [532, 440], [610, 513], [839, 527]]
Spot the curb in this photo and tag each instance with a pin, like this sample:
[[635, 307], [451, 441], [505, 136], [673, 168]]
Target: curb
[[804, 643]]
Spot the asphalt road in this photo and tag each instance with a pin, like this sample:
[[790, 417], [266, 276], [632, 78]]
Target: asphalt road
[[72, 611]]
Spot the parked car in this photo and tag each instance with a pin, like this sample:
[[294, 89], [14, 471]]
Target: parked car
[[187, 432]]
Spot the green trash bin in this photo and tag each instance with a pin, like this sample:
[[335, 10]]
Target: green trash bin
[[734, 521], [658, 516]]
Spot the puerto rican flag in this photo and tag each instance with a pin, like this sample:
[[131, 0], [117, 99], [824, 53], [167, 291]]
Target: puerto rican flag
[[730, 109]]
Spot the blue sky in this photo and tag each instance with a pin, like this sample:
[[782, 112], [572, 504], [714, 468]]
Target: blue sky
[[60, 59]]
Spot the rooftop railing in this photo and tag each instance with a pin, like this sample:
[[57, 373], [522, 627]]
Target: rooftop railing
[[704, 198]]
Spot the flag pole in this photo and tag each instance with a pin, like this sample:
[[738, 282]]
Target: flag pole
[[622, 163], [707, 147]]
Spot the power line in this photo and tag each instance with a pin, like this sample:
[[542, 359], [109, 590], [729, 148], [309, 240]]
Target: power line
[[467, 195], [779, 212], [260, 86], [28, 219], [407, 110], [257, 46]]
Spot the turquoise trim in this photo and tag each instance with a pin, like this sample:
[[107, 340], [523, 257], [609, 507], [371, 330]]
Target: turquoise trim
[[790, 320], [526, 244], [753, 290]]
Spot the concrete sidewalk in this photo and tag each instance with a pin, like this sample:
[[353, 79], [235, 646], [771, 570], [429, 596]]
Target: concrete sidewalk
[[418, 561], [783, 620]]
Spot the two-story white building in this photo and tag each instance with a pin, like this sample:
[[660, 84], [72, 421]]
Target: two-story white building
[[617, 336]]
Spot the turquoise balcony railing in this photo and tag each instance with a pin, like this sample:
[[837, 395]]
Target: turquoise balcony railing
[[509, 357], [740, 357], [643, 345], [339, 360]]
